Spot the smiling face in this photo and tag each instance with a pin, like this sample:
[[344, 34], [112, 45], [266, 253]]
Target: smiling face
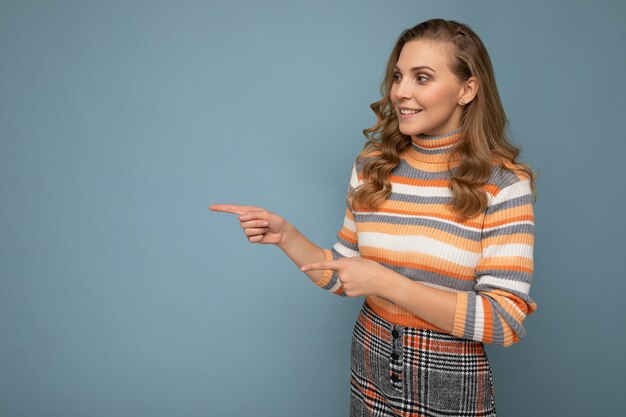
[[431, 89]]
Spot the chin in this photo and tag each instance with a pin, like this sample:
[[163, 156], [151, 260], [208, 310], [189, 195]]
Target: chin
[[405, 130]]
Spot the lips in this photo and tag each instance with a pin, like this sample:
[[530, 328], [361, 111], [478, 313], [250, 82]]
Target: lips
[[413, 112]]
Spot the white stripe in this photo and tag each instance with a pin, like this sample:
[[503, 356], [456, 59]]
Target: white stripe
[[345, 251], [501, 226], [335, 287], [425, 191], [512, 249], [503, 283], [349, 224], [419, 245], [512, 191], [480, 319], [354, 178], [421, 191]]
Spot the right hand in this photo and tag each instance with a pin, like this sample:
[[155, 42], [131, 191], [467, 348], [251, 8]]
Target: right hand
[[260, 225]]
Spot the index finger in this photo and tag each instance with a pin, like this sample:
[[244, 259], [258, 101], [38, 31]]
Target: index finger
[[320, 266], [231, 208]]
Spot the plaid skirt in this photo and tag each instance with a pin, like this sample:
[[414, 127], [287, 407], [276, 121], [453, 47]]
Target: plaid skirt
[[414, 372]]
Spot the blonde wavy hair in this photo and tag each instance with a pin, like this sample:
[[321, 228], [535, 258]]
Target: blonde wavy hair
[[483, 139]]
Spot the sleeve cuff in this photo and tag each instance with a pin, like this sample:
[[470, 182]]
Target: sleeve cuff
[[328, 273], [460, 314]]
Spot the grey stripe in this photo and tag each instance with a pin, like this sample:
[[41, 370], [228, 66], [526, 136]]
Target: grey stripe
[[513, 202], [353, 246], [434, 151], [470, 316], [418, 199], [406, 170], [516, 276], [497, 329], [503, 178], [419, 221], [508, 230]]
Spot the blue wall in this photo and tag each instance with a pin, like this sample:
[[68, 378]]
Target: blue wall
[[121, 122]]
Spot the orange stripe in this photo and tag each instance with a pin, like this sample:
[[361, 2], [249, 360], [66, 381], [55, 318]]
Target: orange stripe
[[490, 263], [460, 314], [419, 182], [424, 266], [348, 235], [488, 323]]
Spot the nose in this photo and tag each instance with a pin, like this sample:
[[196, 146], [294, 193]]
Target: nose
[[400, 90]]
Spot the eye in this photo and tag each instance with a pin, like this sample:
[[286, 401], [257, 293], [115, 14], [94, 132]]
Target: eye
[[419, 78]]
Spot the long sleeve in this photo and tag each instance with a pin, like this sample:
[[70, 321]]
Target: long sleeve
[[495, 310], [346, 244]]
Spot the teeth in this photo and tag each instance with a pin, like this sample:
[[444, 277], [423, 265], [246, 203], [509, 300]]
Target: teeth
[[403, 111]]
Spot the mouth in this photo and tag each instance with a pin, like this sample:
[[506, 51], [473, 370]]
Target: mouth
[[405, 112]]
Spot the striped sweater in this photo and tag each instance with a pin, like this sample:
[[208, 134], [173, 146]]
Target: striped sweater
[[487, 260]]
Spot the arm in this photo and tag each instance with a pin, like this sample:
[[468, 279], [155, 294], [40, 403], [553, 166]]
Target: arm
[[495, 310], [433, 305], [302, 251], [346, 244]]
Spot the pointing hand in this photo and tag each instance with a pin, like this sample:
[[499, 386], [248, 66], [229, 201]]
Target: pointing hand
[[260, 225], [358, 276]]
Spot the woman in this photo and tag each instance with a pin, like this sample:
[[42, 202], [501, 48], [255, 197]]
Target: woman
[[438, 233]]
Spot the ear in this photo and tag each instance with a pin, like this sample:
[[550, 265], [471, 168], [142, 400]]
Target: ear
[[468, 90]]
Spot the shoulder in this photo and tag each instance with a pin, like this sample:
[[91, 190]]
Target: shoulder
[[507, 180], [506, 174]]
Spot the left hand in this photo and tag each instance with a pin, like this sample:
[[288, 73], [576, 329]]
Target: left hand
[[359, 276]]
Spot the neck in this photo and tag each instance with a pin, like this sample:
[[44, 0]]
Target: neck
[[434, 148]]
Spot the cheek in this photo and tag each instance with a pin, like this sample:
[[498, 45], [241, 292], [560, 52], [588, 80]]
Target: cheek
[[438, 98], [434, 96]]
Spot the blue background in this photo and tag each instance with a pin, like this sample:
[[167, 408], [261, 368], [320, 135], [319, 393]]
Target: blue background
[[121, 122]]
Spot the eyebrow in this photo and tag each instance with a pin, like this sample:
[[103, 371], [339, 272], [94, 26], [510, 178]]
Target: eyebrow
[[416, 68]]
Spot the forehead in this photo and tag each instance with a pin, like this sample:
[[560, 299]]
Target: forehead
[[423, 52]]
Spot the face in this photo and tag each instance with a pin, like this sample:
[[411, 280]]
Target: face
[[432, 89]]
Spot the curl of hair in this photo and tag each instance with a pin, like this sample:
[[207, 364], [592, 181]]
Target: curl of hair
[[483, 143]]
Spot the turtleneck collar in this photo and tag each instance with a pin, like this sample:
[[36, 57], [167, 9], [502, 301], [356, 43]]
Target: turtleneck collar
[[434, 149]]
